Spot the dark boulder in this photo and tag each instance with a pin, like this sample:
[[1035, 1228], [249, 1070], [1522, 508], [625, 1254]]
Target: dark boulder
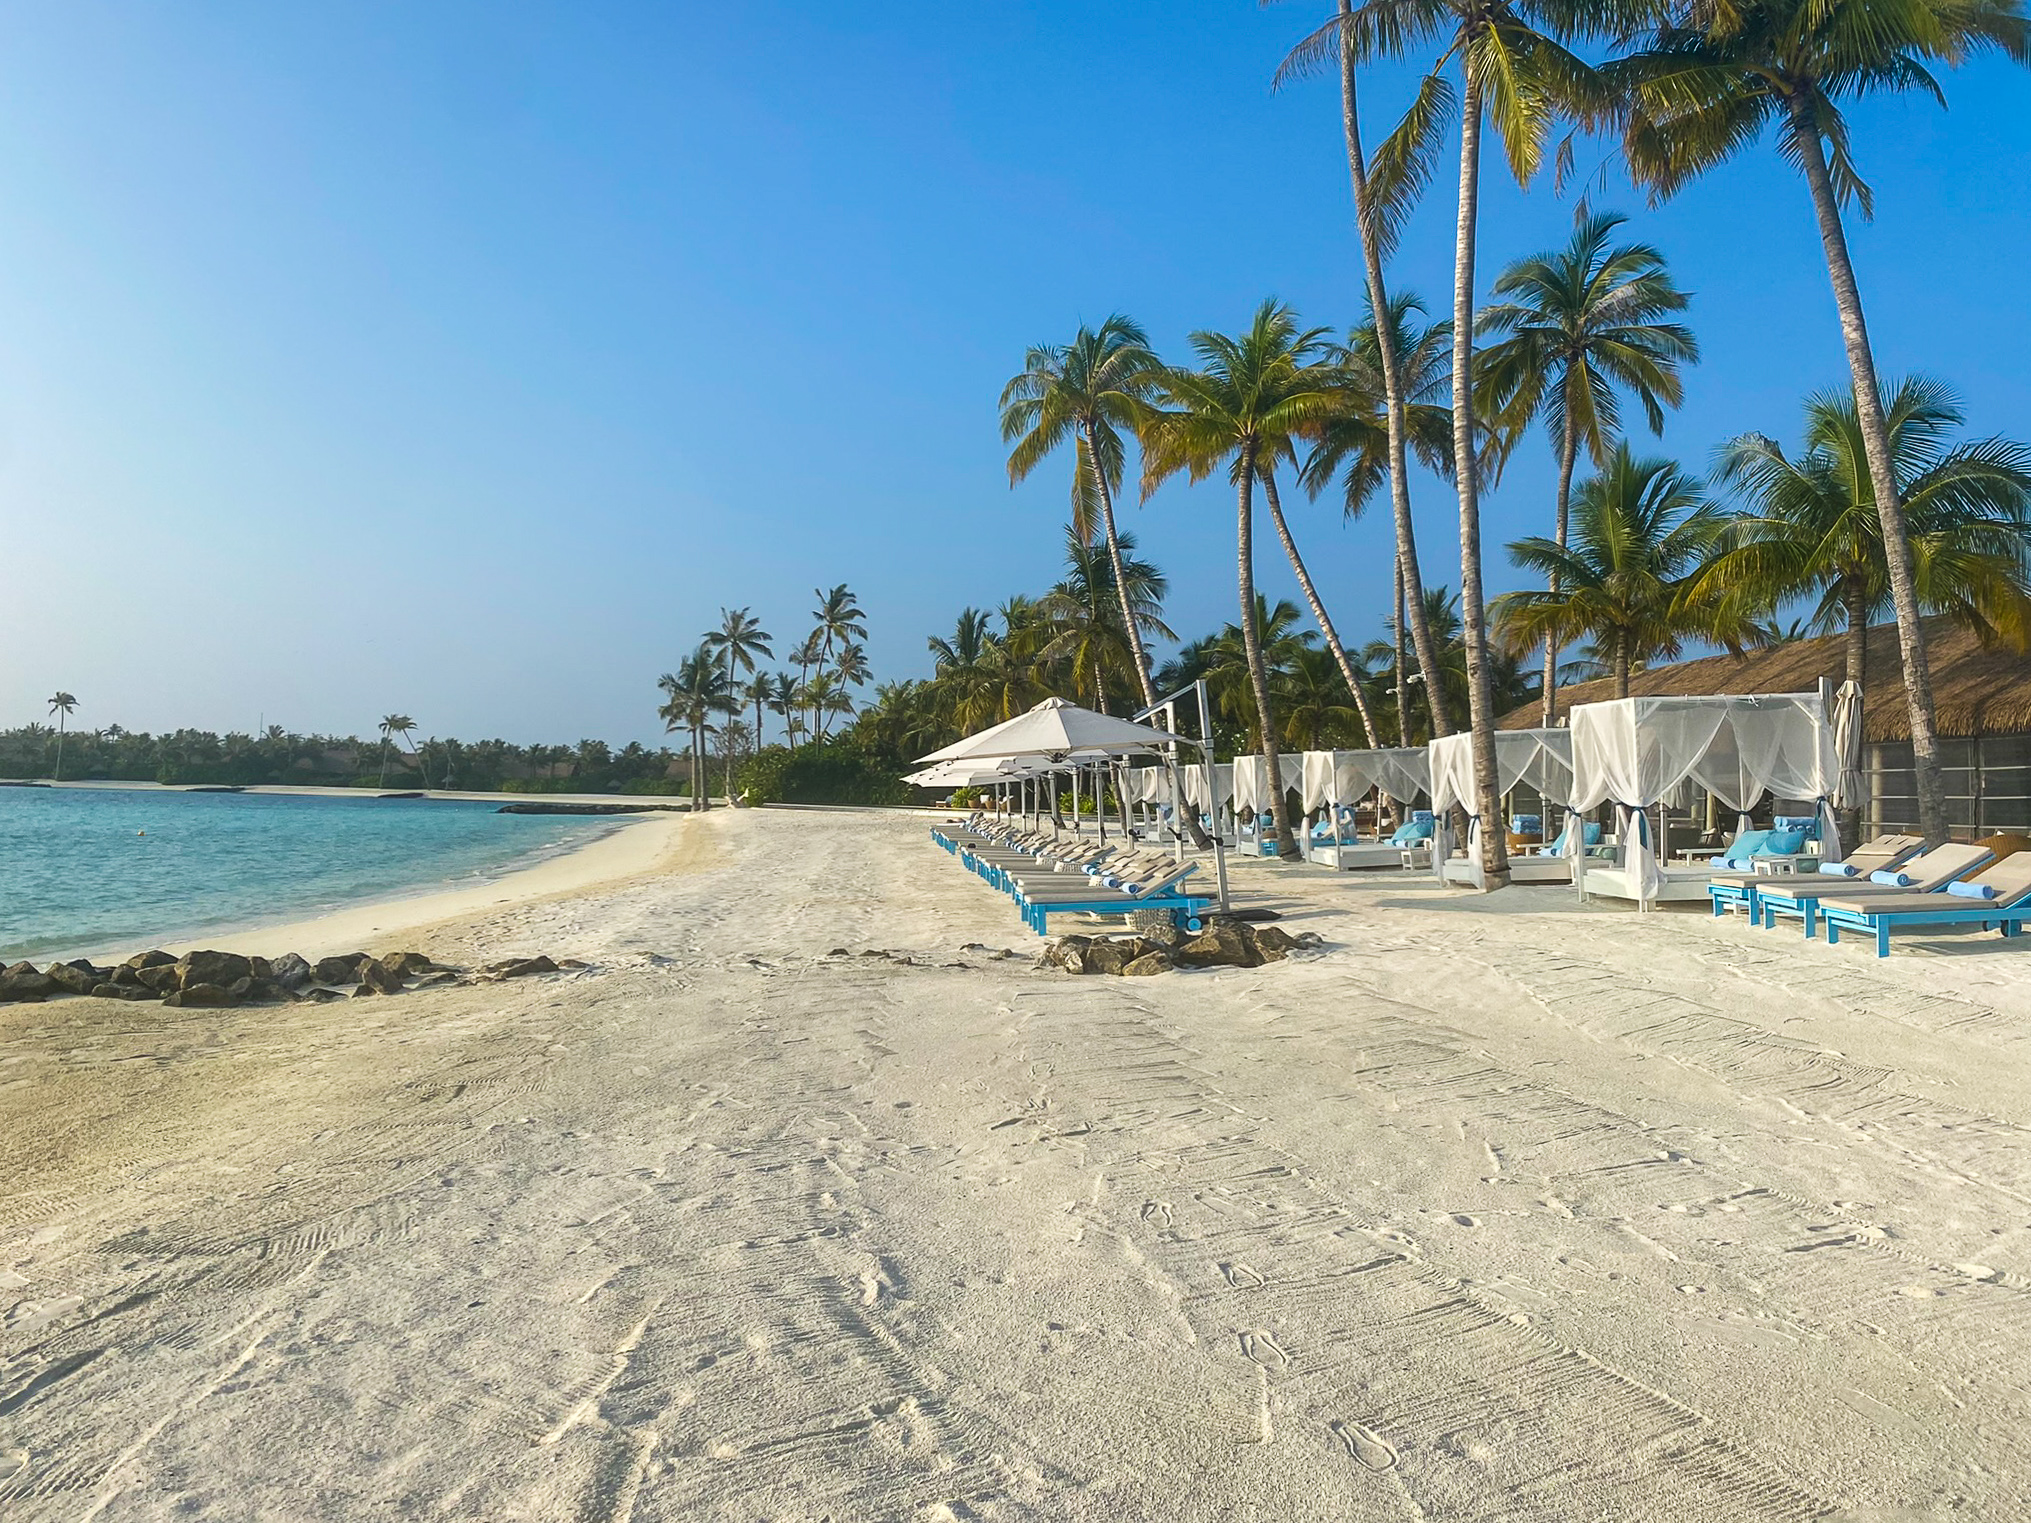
[[1157, 960], [1067, 953], [405, 963], [343, 969], [23, 982], [149, 960], [520, 967], [290, 971], [122, 991], [1222, 944], [202, 996], [1273, 942], [220, 968], [376, 977], [78, 977], [161, 977]]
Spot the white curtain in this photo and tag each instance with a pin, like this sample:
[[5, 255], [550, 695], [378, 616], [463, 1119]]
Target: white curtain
[[1539, 759]]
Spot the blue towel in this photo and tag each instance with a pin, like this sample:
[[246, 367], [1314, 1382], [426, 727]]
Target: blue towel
[[1839, 870], [1737, 864], [1972, 890], [1895, 880]]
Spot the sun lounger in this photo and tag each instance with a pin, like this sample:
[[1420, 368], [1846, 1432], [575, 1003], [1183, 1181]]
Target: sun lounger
[[2006, 907], [1732, 891], [1929, 872]]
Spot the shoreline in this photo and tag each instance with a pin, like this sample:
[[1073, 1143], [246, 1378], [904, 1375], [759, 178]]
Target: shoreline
[[635, 846]]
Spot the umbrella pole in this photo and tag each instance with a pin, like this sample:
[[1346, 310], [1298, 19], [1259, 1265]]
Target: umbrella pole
[[1212, 792]]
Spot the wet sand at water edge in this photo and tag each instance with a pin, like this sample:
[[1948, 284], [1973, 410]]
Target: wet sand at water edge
[[1496, 1210]]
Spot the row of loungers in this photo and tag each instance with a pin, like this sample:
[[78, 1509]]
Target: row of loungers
[[1895, 883], [1047, 877]]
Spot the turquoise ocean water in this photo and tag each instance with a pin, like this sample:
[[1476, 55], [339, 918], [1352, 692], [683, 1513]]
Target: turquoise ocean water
[[92, 867]]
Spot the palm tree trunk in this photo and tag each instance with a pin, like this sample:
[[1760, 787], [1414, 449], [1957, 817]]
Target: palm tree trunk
[[1290, 548], [1882, 476], [1569, 448], [1466, 473], [1622, 664], [1142, 679], [1402, 666], [1855, 598], [59, 747], [1251, 642], [384, 762], [1394, 406]]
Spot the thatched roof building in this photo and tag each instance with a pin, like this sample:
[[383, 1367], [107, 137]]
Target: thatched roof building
[[1977, 691]]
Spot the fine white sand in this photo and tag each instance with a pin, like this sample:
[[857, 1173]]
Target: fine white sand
[[1497, 1210]]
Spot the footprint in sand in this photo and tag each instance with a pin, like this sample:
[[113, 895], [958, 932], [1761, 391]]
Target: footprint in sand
[[1264, 1350], [1158, 1211], [1365, 1445], [1241, 1277]]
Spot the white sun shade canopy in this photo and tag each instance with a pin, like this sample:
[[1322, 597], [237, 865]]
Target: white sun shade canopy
[[967, 774], [1541, 760], [1057, 730], [1342, 777], [1638, 751], [1251, 781], [1194, 778]]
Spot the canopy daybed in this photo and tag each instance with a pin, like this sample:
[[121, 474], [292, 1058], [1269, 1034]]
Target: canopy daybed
[[1337, 780], [1541, 760], [1635, 753]]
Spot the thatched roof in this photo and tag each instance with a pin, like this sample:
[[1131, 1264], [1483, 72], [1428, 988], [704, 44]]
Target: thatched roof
[[1976, 691]]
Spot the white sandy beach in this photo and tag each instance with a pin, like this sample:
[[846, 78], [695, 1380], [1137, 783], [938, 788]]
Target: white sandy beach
[[1496, 1210]]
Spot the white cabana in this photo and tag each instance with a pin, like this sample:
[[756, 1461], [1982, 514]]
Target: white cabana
[[1638, 752], [1251, 782], [1223, 788], [1541, 760], [1339, 779]]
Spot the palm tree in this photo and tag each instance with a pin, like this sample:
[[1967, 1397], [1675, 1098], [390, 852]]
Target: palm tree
[[738, 640], [825, 695], [1250, 399], [1378, 213], [62, 704], [1354, 443], [391, 726], [1084, 610], [1812, 527], [1631, 579], [1091, 391], [839, 619], [1515, 68], [759, 690], [696, 691], [1582, 324], [782, 701], [807, 655], [1313, 692], [1223, 659], [850, 665], [963, 672], [1709, 84]]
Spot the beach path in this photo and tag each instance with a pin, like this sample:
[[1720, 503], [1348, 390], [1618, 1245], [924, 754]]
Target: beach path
[[806, 1201]]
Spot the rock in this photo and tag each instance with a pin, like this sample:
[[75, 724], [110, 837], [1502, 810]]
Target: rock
[[127, 976], [520, 967], [217, 968], [260, 967], [161, 977], [1113, 954], [344, 969], [1067, 953], [433, 979], [320, 996], [202, 996], [406, 963], [122, 991], [23, 984], [573, 965], [1221, 945], [1163, 935], [149, 960], [1308, 941], [1270, 940], [376, 977], [290, 971], [1154, 961], [78, 977]]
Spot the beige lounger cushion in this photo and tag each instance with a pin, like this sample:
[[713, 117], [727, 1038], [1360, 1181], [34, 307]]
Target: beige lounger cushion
[[2010, 878]]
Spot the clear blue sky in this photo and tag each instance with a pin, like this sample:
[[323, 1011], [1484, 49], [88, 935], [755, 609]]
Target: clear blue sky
[[465, 358]]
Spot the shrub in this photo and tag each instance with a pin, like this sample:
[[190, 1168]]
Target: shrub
[[820, 773]]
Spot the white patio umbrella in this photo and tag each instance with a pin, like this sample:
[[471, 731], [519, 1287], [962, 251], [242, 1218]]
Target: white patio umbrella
[[1057, 731], [1849, 789]]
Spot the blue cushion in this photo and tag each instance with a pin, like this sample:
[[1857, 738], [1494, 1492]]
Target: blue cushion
[[1590, 834], [1417, 830], [1972, 890], [1895, 880], [1840, 869], [1784, 843], [1806, 824], [1737, 864], [1747, 844], [1527, 824]]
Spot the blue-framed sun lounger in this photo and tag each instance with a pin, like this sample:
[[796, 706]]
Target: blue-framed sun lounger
[[2008, 880], [1737, 891], [1799, 898]]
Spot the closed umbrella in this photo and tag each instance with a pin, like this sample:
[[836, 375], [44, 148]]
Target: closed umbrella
[[1847, 717]]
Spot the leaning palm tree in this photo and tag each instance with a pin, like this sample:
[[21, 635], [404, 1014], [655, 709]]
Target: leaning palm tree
[[808, 656], [1084, 610], [1579, 326], [1092, 391], [1241, 409], [391, 726], [1811, 529], [1515, 69], [1379, 213], [61, 704], [839, 619], [1355, 443], [1712, 79], [1630, 579]]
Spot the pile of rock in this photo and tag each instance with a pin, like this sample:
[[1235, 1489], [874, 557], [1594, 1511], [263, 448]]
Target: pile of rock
[[1224, 943], [221, 979]]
